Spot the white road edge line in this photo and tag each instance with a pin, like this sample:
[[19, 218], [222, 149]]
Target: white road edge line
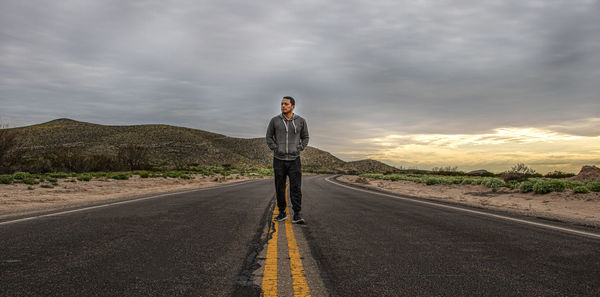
[[117, 203], [568, 230]]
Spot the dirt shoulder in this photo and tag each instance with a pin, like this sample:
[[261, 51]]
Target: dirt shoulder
[[18, 200], [564, 206]]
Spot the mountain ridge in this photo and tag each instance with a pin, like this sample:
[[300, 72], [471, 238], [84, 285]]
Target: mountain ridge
[[165, 146]]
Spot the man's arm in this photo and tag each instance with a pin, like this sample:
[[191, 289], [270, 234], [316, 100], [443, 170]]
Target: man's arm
[[271, 142], [304, 136]]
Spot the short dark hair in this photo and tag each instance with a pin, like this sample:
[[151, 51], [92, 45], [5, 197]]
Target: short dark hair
[[291, 99]]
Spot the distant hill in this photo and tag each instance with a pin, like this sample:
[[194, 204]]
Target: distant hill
[[166, 146], [480, 171], [369, 166]]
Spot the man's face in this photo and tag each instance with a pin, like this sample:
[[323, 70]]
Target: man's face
[[286, 106]]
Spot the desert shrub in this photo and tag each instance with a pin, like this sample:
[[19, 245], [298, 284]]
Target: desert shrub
[[143, 173], [432, 180], [467, 181], [21, 175], [457, 180], [30, 181], [581, 190], [58, 175], [119, 175], [593, 185], [557, 185], [392, 177], [492, 182], [558, 174], [172, 174], [47, 186], [6, 179], [572, 184], [526, 186], [373, 175], [518, 173], [98, 174], [448, 180], [51, 179], [447, 170], [543, 186], [84, 177]]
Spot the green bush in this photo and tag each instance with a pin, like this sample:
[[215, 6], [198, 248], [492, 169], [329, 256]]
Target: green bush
[[21, 175], [98, 174], [526, 186], [172, 174], [572, 184], [593, 185], [58, 175], [47, 186], [84, 177], [118, 175], [432, 180], [542, 187], [492, 182], [557, 185], [6, 179], [51, 179], [558, 174], [581, 190], [30, 181], [457, 180], [467, 181], [143, 173]]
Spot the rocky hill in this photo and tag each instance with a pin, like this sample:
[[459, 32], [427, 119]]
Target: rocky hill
[[38, 147]]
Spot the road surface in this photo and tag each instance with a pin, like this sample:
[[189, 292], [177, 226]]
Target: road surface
[[215, 242]]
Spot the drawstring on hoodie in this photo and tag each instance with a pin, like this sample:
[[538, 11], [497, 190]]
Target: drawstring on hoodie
[[293, 123]]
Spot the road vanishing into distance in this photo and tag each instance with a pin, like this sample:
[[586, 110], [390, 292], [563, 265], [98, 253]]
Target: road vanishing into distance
[[221, 242]]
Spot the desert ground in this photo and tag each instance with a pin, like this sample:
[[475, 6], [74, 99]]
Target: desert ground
[[17, 199], [564, 206]]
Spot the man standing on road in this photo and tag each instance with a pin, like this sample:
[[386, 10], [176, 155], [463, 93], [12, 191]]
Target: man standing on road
[[287, 136]]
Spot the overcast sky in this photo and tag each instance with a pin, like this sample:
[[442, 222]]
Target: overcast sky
[[418, 84]]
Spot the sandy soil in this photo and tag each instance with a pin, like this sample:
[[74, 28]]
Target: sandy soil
[[565, 206], [17, 199]]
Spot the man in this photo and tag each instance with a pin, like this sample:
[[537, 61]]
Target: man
[[287, 136]]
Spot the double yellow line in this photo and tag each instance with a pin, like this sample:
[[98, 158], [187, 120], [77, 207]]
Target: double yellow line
[[269, 281]]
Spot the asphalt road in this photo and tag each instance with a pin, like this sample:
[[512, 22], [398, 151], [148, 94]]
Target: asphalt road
[[205, 243], [192, 244], [373, 245]]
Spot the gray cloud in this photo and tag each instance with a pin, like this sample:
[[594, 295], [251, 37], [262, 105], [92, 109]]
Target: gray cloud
[[359, 69]]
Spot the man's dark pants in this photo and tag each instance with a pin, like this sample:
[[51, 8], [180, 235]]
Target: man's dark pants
[[293, 170]]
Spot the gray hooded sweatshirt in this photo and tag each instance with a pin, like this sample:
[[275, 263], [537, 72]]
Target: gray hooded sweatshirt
[[287, 138]]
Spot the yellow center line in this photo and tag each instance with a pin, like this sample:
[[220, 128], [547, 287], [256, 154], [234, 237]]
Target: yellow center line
[[269, 281], [299, 283]]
